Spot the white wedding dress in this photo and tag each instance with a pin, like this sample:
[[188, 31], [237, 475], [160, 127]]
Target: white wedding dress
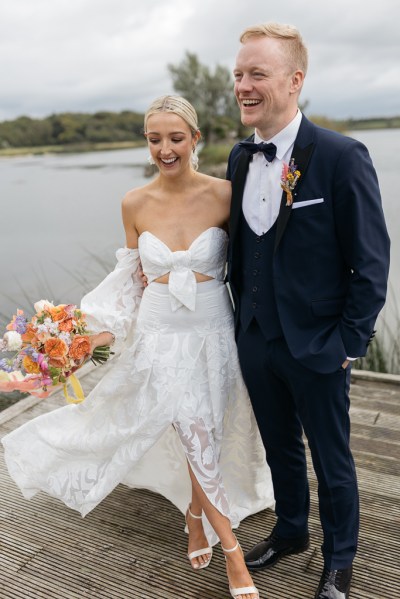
[[173, 395]]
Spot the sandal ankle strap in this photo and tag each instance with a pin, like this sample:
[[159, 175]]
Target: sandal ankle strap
[[233, 548], [194, 515]]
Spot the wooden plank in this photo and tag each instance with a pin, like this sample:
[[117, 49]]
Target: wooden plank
[[133, 544]]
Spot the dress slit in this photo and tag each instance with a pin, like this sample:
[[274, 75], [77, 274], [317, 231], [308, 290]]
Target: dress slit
[[202, 453]]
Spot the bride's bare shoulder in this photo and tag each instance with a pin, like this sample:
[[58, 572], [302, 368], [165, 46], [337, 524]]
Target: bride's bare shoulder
[[223, 188], [219, 187], [134, 198]]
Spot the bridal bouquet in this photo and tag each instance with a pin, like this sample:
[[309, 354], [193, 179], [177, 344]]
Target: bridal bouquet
[[47, 350]]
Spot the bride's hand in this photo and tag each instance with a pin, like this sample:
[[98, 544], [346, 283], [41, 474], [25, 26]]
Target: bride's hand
[[100, 339], [142, 276]]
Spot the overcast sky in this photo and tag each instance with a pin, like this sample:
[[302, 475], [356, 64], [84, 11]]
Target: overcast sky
[[89, 55]]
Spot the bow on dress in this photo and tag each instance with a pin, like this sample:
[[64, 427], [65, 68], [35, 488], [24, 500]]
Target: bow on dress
[[182, 282]]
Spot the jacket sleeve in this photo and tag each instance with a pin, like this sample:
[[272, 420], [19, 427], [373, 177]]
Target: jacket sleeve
[[113, 305], [365, 245]]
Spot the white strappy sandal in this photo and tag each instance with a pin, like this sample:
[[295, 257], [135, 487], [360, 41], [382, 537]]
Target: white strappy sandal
[[242, 590], [198, 552]]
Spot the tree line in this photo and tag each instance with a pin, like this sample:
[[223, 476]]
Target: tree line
[[72, 128], [210, 92]]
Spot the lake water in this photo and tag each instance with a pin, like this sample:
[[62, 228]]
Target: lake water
[[60, 221]]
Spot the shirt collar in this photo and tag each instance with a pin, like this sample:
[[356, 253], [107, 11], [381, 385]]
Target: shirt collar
[[285, 138]]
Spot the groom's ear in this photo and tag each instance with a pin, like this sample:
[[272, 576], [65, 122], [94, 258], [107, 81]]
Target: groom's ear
[[296, 82]]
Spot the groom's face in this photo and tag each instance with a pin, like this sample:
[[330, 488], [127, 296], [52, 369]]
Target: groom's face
[[266, 88]]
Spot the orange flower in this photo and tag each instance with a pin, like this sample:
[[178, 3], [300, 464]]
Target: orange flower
[[58, 362], [66, 325], [55, 348], [58, 312], [30, 365], [29, 334], [80, 347]]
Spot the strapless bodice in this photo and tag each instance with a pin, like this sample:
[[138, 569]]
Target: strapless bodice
[[206, 255]]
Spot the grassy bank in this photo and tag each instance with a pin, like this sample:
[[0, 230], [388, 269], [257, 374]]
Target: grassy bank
[[71, 148], [373, 123], [213, 159]]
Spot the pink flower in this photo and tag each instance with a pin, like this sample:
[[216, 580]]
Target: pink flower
[[285, 170], [43, 365]]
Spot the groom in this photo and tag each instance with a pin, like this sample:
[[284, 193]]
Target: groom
[[308, 269]]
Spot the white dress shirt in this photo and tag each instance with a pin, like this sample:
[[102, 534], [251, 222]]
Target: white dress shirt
[[262, 191]]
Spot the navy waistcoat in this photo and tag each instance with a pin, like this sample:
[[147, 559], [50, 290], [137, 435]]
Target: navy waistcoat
[[257, 298]]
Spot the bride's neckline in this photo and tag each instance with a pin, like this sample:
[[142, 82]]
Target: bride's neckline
[[192, 243]]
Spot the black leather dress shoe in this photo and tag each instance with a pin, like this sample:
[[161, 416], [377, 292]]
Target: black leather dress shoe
[[268, 552], [334, 584]]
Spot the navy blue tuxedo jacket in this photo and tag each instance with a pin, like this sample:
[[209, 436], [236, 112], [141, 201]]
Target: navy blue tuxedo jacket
[[331, 259]]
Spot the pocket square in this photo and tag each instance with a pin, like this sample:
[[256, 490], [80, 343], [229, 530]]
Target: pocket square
[[307, 203]]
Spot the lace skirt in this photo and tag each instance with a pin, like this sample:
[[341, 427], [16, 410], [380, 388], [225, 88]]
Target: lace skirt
[[174, 397]]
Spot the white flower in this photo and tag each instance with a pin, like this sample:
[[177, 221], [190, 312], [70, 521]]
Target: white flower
[[65, 337], [40, 305], [48, 327], [13, 341]]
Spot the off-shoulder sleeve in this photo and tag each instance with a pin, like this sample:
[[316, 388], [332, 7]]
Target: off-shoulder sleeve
[[113, 305]]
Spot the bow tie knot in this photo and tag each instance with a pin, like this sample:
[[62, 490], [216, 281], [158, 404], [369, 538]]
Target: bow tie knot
[[269, 150]]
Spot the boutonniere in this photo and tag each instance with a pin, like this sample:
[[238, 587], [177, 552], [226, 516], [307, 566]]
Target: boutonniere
[[289, 178]]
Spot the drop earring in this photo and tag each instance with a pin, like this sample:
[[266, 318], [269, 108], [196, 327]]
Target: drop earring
[[195, 159], [150, 160]]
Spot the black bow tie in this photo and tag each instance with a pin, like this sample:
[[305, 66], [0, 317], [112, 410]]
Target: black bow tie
[[269, 150]]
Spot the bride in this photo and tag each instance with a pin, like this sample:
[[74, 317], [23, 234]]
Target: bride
[[172, 414]]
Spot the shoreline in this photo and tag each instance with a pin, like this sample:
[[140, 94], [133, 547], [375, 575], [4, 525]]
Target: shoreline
[[70, 148]]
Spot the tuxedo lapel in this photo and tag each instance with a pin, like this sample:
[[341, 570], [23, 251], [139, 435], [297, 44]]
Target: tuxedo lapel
[[239, 180], [301, 154]]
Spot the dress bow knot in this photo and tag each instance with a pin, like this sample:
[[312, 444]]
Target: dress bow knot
[[182, 282]]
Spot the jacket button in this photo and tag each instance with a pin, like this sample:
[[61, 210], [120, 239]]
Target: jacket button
[[255, 288], [255, 272], [254, 305], [257, 255]]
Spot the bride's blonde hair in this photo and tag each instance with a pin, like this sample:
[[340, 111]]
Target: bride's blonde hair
[[176, 105]]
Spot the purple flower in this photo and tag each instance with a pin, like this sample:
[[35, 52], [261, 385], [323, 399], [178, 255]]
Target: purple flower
[[20, 324], [7, 365], [30, 351]]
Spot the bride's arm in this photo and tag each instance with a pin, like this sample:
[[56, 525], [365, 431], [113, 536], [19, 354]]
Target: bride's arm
[[111, 308], [129, 203]]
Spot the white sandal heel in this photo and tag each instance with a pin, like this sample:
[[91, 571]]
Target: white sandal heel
[[198, 552], [242, 590]]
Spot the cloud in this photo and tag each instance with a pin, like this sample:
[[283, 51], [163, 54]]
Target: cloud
[[87, 55]]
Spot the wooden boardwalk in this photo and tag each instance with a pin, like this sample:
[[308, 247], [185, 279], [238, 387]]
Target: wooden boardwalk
[[133, 546]]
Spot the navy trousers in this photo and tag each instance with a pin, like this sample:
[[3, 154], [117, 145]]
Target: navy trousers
[[288, 399]]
